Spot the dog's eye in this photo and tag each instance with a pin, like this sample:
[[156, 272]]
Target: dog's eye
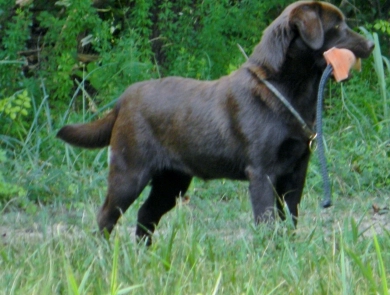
[[336, 27]]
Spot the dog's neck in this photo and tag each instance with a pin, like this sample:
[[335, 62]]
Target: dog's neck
[[297, 79]]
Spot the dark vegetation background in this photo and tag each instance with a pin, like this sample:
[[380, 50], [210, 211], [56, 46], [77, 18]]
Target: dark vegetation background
[[66, 61]]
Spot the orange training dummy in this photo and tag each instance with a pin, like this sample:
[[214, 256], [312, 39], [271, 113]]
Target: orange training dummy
[[342, 60]]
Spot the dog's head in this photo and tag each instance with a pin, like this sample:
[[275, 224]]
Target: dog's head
[[307, 28]]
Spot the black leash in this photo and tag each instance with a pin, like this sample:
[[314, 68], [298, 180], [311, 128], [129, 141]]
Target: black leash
[[327, 202]]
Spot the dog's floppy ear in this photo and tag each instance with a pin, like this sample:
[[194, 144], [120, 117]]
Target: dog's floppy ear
[[296, 18], [272, 49], [308, 23]]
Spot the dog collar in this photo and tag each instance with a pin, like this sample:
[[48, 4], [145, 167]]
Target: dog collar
[[308, 131]]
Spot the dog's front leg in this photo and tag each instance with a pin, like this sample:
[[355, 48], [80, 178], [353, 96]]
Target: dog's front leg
[[289, 188], [261, 189]]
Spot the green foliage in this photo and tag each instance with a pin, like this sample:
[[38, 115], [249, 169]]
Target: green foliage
[[13, 111], [8, 189], [140, 21], [200, 41], [15, 105], [383, 26], [13, 38], [67, 41], [66, 37], [117, 68]]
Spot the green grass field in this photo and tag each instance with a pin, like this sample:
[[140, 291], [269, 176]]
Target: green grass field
[[203, 247]]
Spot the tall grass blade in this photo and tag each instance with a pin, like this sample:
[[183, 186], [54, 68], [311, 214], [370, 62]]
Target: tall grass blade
[[8, 62], [365, 269], [343, 270], [355, 118], [114, 271], [379, 60], [84, 281], [129, 289], [382, 269], [70, 278], [216, 287], [72, 284], [379, 69]]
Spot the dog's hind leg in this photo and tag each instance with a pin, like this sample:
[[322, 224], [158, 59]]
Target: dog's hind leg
[[166, 187], [125, 183]]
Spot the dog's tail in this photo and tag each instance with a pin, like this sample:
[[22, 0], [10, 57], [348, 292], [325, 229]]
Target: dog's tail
[[96, 134]]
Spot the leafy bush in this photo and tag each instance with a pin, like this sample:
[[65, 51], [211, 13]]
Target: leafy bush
[[55, 42], [13, 39], [12, 110]]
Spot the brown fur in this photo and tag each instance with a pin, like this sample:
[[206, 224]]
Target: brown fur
[[166, 131]]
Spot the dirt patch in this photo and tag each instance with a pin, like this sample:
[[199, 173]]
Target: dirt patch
[[36, 232], [375, 220]]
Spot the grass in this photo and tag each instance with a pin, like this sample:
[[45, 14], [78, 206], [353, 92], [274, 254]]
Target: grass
[[199, 248]]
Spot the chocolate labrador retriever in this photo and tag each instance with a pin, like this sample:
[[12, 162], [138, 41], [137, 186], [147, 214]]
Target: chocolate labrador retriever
[[168, 130]]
